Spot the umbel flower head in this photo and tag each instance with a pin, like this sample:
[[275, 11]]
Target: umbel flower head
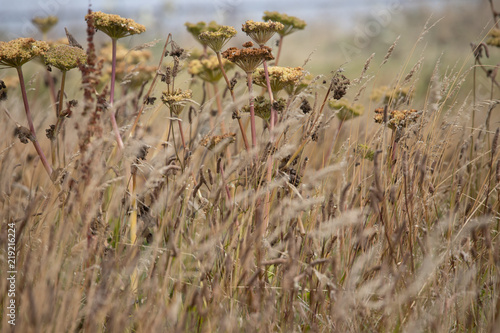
[[397, 119], [176, 100], [493, 37], [115, 26], [208, 69], [196, 29], [218, 141], [248, 58], [217, 39], [262, 107], [346, 110], [303, 83], [279, 77], [261, 32], [65, 57], [17, 52], [44, 24], [387, 94], [291, 23]]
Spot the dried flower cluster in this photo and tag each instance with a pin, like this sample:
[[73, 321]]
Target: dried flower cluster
[[65, 57], [339, 85], [290, 23], [17, 52], [216, 40], [248, 58], [346, 110], [493, 37], [279, 77], [176, 100], [44, 24], [115, 26], [262, 107], [195, 29], [396, 119], [261, 32], [214, 141], [208, 69], [386, 94]]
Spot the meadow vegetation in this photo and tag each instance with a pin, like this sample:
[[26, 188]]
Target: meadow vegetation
[[216, 190]]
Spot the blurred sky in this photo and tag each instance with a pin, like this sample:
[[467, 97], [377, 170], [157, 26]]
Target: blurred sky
[[169, 15]]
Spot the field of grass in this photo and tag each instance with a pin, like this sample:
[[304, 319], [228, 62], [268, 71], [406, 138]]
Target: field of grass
[[140, 193]]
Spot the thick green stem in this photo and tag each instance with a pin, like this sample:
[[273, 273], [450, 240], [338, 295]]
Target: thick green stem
[[38, 149]]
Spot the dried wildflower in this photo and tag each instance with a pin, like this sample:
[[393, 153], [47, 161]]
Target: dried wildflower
[[339, 85], [176, 100], [130, 57], [387, 94], [24, 134], [346, 110], [493, 37], [196, 29], [261, 32], [303, 83], [305, 106], [217, 39], [115, 26], [248, 59], [397, 119], [365, 152], [291, 23], [17, 52], [262, 107], [65, 57], [208, 69], [219, 141], [279, 77], [44, 24]]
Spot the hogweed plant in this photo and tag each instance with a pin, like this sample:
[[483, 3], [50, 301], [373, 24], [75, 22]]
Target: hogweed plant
[[116, 28]]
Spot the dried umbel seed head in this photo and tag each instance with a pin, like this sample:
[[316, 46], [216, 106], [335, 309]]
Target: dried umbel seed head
[[339, 85], [397, 119], [279, 77], [493, 37], [387, 94], [208, 69], [305, 106], [290, 23], [262, 107], [218, 141], [261, 32], [176, 100], [303, 83], [65, 57], [196, 29], [17, 52], [216, 40], [345, 109], [115, 26], [248, 59], [130, 57], [44, 24]]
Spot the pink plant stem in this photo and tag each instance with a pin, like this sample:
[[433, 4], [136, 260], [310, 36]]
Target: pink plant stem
[[182, 134], [274, 116], [279, 51], [38, 149], [252, 111], [228, 193], [112, 96]]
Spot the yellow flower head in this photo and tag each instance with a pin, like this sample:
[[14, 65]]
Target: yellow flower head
[[115, 26], [346, 110], [279, 77], [217, 39], [493, 37], [248, 58], [208, 69], [291, 23], [64, 57], [397, 119], [44, 24], [176, 100], [196, 29], [303, 83], [261, 32], [17, 52], [387, 94]]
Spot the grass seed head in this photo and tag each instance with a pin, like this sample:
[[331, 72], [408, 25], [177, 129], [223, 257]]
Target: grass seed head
[[115, 26]]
